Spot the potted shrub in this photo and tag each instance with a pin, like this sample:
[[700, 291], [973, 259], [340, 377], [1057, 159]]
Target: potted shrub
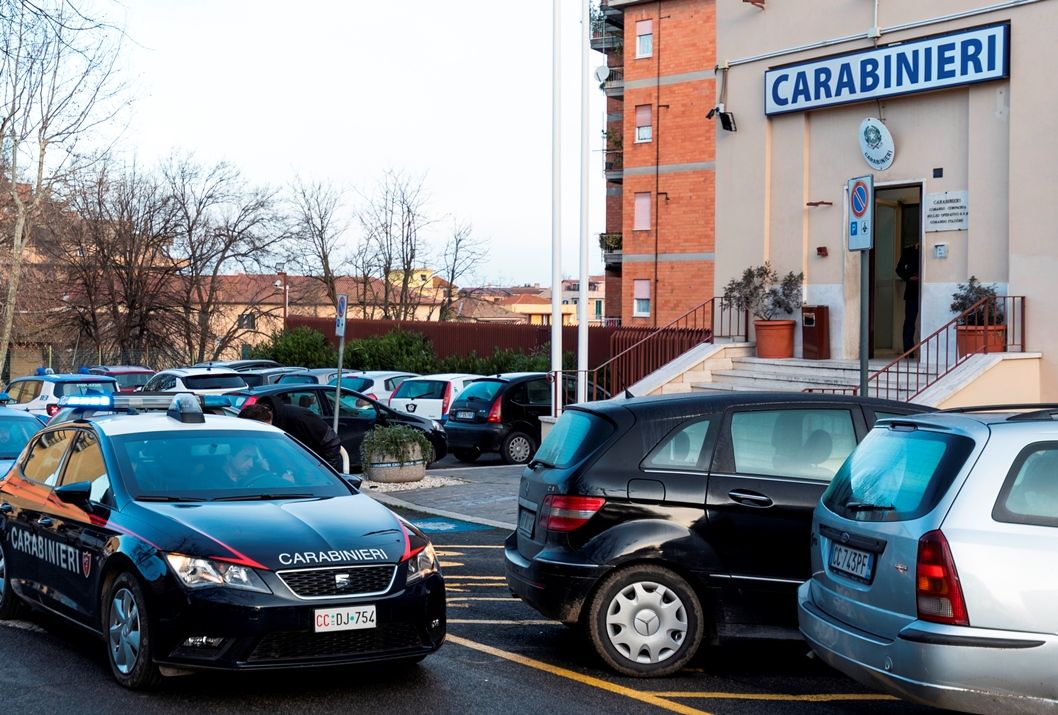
[[984, 328], [395, 454], [760, 292]]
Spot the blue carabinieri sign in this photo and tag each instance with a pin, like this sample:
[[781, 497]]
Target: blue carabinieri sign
[[979, 54]]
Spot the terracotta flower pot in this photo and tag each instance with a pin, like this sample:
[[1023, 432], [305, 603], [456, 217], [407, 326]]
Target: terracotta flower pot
[[775, 338], [971, 339]]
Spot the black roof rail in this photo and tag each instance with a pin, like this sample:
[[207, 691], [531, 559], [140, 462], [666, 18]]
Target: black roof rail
[[1029, 406]]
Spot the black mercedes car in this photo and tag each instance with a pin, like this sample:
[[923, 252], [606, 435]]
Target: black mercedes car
[[358, 414], [663, 523], [190, 541]]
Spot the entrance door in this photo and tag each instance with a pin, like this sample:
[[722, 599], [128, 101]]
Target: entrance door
[[897, 227]]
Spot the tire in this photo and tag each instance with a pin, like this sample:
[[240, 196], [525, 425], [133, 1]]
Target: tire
[[466, 455], [125, 614], [518, 448], [645, 621], [11, 606]]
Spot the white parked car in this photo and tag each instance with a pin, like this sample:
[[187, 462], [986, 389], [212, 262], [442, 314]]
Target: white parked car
[[376, 384], [199, 380], [40, 394], [430, 395]]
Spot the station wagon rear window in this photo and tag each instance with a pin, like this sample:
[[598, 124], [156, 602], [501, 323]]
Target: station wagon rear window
[[482, 390], [575, 435], [356, 384], [84, 388], [421, 390], [213, 382], [896, 474]]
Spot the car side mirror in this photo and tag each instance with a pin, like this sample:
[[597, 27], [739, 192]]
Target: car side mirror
[[353, 480], [5, 398], [78, 494]]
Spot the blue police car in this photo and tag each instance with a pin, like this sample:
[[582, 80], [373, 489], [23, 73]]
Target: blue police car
[[191, 541]]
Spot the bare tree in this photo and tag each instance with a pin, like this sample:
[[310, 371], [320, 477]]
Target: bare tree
[[57, 84], [462, 253], [221, 225], [317, 234]]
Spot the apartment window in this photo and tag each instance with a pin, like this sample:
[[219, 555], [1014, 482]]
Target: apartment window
[[644, 38], [248, 321], [644, 123], [598, 309], [641, 219], [641, 298]]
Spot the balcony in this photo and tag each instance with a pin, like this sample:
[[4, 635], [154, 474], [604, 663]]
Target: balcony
[[607, 34], [614, 85], [610, 243], [613, 165]]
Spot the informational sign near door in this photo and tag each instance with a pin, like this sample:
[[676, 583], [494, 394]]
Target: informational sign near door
[[947, 211], [861, 213]]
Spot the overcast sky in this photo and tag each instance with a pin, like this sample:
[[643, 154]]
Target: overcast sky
[[458, 92]]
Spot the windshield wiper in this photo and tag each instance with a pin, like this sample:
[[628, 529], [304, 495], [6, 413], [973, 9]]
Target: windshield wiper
[[168, 498], [858, 506], [251, 497]]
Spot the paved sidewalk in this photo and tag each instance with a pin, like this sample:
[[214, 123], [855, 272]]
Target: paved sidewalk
[[489, 495]]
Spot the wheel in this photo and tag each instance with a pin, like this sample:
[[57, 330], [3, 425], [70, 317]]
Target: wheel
[[518, 448], [11, 605], [466, 455], [128, 634], [645, 621]]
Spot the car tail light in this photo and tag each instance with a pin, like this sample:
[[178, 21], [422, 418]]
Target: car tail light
[[940, 597], [52, 409], [447, 399], [495, 414], [249, 401], [565, 513], [372, 396]]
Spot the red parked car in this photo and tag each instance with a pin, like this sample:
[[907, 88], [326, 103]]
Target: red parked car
[[130, 377]]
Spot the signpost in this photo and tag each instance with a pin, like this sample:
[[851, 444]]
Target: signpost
[[860, 228], [339, 331]]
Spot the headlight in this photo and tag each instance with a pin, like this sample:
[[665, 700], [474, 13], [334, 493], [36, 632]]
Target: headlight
[[422, 564], [436, 425], [198, 573]]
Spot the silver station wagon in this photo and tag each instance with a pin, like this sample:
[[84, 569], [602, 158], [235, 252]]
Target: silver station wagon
[[935, 562]]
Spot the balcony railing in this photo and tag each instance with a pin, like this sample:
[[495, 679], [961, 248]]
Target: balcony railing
[[610, 242], [614, 84], [613, 164]]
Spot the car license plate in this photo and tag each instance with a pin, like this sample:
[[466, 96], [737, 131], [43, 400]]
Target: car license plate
[[464, 415], [344, 618], [526, 521], [853, 562]]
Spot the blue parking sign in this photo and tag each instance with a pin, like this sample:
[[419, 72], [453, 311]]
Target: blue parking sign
[[852, 228]]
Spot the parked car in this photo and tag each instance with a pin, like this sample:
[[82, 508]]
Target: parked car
[[140, 402], [238, 365], [130, 377], [933, 562], [267, 375], [663, 523], [502, 414], [198, 380], [430, 395], [358, 414], [39, 394], [16, 429], [317, 375], [376, 384]]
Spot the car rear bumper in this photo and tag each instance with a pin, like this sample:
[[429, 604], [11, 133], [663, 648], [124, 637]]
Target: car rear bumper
[[554, 588], [943, 666], [486, 437], [280, 633]]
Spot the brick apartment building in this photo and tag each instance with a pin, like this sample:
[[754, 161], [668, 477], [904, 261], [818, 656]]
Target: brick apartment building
[[658, 248]]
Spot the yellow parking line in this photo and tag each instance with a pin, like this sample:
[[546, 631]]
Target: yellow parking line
[[510, 599], [472, 622], [462, 577], [468, 546], [809, 698], [644, 697], [476, 584]]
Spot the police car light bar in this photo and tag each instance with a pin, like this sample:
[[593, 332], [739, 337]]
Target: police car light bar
[[186, 409], [99, 402]]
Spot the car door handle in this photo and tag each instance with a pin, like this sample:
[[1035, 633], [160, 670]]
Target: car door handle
[[749, 498], [6, 508], [46, 522]]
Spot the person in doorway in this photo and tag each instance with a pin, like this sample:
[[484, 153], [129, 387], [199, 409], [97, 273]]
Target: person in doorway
[[908, 269], [301, 424]]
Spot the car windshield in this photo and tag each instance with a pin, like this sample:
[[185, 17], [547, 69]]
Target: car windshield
[[213, 382], [421, 390], [133, 379], [574, 436], [204, 465], [14, 434], [481, 390], [356, 384], [896, 474], [84, 388]]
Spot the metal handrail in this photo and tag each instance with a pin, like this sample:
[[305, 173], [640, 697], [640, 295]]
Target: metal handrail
[[937, 355]]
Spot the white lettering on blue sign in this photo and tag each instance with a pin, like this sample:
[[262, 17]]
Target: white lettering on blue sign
[[975, 55]]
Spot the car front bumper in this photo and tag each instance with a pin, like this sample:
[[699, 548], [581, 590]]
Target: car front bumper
[[952, 667], [262, 631], [557, 589]]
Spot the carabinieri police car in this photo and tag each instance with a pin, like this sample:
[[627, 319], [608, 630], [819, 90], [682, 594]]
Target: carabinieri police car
[[191, 541]]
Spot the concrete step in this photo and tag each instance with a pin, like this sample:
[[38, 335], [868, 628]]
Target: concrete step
[[799, 377], [832, 368], [765, 386]]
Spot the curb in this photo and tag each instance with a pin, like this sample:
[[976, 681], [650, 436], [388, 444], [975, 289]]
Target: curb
[[394, 501]]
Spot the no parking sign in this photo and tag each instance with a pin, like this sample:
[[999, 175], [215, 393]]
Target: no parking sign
[[861, 213]]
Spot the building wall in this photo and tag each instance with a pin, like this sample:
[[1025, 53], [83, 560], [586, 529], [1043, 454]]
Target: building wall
[[992, 139], [676, 167]]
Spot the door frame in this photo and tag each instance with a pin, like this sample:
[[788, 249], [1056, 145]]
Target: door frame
[[918, 184]]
